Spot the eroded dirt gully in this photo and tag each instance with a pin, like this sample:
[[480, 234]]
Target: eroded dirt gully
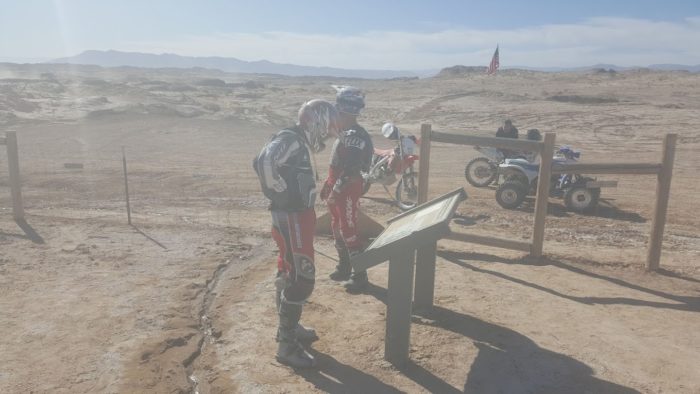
[[90, 304], [171, 363], [208, 331]]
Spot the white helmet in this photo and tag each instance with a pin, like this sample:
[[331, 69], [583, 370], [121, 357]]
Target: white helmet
[[390, 131], [318, 118], [348, 99]]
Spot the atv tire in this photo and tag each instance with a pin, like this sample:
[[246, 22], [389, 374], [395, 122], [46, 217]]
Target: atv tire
[[511, 194], [581, 199]]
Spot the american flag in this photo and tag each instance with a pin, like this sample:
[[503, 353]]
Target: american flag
[[494, 63]]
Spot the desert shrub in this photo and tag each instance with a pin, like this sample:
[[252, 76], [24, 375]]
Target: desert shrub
[[172, 88], [576, 99], [212, 107], [95, 82], [211, 82]]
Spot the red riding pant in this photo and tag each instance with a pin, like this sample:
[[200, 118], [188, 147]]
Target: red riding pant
[[344, 210], [294, 234]]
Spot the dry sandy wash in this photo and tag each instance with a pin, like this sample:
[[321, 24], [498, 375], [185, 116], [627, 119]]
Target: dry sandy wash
[[182, 301]]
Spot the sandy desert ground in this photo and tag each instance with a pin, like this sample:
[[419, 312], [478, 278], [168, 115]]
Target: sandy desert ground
[[182, 301]]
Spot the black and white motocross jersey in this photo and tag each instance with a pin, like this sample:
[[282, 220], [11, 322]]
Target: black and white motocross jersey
[[351, 154], [285, 172]]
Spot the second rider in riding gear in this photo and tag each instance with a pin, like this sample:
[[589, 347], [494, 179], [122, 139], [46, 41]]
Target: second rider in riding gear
[[351, 154]]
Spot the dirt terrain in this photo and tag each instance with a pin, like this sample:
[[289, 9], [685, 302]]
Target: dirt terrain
[[182, 300]]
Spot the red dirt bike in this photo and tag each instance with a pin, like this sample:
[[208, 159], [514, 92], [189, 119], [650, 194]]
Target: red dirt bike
[[390, 165]]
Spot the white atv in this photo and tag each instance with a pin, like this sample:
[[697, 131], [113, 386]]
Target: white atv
[[580, 193]]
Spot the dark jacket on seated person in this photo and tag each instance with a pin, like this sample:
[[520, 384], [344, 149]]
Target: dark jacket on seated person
[[507, 132]]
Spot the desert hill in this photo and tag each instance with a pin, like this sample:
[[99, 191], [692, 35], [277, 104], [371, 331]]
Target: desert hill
[[227, 64]]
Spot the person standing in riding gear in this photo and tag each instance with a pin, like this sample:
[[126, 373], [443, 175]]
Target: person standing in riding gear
[[351, 154], [287, 178]]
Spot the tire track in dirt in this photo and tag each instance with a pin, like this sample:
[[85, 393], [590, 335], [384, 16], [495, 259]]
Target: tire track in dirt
[[429, 107]]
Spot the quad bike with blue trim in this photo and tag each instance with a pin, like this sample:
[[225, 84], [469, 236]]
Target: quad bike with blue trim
[[580, 193]]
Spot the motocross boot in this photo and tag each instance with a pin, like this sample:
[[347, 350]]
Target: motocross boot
[[304, 334], [289, 351], [343, 269], [358, 280]]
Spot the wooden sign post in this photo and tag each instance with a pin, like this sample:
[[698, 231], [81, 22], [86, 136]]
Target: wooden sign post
[[416, 229]]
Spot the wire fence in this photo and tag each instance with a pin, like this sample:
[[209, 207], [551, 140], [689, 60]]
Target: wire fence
[[92, 186]]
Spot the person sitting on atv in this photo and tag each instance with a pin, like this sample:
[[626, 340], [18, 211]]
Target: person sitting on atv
[[507, 131], [532, 135]]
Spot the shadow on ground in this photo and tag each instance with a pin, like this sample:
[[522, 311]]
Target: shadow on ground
[[605, 209], [332, 376], [681, 303], [29, 232], [507, 361]]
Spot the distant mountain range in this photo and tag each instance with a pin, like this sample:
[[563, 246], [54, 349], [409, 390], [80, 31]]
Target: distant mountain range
[[229, 64]]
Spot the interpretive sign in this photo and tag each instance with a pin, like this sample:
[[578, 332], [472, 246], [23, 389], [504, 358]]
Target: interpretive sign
[[412, 229], [417, 229]]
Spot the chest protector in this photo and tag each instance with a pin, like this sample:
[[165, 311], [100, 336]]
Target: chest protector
[[296, 171]]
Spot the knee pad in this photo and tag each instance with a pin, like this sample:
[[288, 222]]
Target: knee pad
[[298, 292], [340, 244], [301, 284], [281, 280], [304, 268]]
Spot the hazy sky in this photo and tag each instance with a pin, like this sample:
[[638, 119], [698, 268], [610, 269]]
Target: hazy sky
[[375, 34]]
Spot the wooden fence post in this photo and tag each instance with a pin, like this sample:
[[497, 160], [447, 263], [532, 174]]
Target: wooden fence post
[[424, 165], [663, 189], [15, 182], [542, 198], [126, 187]]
